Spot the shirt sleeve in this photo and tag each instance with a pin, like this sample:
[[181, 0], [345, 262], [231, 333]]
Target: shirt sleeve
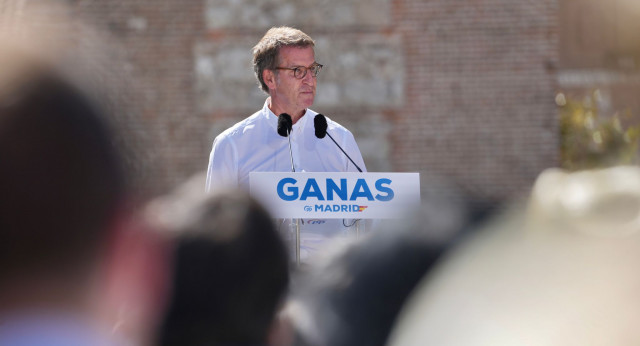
[[351, 147], [223, 165]]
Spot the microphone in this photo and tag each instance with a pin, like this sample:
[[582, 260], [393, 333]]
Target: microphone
[[285, 124], [320, 125]]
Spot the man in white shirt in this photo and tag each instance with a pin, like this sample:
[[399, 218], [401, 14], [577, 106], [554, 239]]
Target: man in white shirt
[[285, 66]]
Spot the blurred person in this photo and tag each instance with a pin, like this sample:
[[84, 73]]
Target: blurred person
[[230, 268], [353, 296], [562, 270], [73, 265], [285, 67]]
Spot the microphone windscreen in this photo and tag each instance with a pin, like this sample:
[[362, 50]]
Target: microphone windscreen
[[320, 125], [285, 124]]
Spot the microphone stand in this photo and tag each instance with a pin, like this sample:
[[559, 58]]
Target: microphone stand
[[345, 153], [357, 222], [293, 169], [320, 125], [298, 242]]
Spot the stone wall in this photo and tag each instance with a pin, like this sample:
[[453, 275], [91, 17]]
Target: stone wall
[[158, 39], [480, 87], [462, 90], [363, 74]]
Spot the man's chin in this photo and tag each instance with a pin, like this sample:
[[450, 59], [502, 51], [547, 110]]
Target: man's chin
[[307, 101]]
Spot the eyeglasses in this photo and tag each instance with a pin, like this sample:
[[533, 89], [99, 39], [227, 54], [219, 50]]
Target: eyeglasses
[[301, 71]]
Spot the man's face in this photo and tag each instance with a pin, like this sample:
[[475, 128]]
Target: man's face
[[289, 93]]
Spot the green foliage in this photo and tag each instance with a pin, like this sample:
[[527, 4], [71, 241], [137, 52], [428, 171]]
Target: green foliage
[[589, 140]]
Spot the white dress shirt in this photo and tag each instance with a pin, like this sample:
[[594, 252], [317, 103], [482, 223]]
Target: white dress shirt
[[253, 145]]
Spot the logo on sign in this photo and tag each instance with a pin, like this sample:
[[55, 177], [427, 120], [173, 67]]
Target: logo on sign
[[335, 208]]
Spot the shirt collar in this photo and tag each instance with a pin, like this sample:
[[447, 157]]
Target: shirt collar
[[272, 119]]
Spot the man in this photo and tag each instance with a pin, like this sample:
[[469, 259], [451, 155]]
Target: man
[[286, 69], [71, 272]]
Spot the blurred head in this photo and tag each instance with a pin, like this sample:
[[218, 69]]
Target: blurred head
[[61, 178], [68, 242], [561, 271], [354, 297], [230, 268]]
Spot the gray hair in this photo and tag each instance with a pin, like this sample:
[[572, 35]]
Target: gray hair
[[265, 53]]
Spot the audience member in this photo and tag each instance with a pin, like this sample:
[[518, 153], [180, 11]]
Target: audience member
[[230, 268], [64, 216], [354, 296], [561, 271]]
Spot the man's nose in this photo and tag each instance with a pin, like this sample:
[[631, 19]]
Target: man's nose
[[308, 78]]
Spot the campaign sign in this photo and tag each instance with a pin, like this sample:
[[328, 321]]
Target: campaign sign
[[331, 195]]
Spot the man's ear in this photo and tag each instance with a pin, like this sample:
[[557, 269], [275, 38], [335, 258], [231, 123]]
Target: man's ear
[[269, 78]]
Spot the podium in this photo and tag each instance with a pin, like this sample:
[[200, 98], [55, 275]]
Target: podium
[[336, 195]]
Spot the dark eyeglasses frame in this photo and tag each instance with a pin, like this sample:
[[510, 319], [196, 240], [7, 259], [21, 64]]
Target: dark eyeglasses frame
[[301, 71]]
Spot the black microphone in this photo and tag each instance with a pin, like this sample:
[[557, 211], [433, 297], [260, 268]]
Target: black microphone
[[320, 124], [285, 124]]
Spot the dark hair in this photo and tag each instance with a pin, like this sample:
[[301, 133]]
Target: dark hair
[[61, 178], [231, 272], [355, 298]]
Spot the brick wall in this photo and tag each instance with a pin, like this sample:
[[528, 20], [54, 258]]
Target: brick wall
[[361, 84], [462, 90], [480, 87], [158, 38], [456, 90]]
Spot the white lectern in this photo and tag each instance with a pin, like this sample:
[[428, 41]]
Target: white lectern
[[334, 195]]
